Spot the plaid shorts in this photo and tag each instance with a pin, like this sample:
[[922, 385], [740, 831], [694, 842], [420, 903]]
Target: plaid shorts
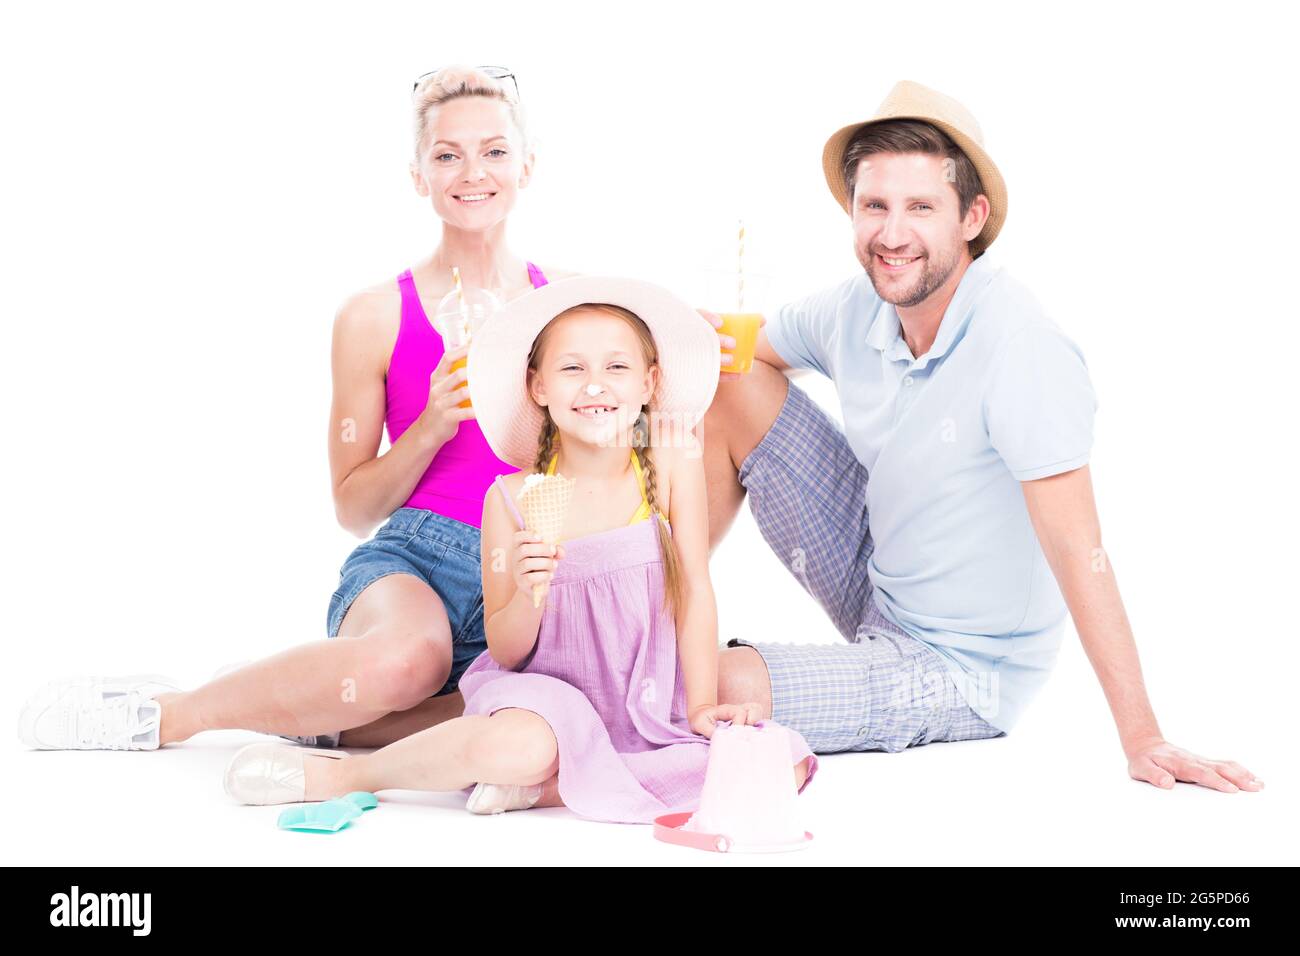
[[884, 690]]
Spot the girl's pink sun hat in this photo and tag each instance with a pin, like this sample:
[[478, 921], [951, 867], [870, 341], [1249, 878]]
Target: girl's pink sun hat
[[497, 364]]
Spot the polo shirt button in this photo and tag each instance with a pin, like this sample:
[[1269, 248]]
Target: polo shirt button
[[907, 381]]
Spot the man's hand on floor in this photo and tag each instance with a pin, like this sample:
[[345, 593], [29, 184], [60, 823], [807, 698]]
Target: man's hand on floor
[[1160, 763]]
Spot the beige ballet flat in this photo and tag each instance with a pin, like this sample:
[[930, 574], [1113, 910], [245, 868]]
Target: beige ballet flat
[[262, 774], [500, 797]]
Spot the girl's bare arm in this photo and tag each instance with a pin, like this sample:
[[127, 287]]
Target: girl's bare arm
[[510, 622], [697, 617]]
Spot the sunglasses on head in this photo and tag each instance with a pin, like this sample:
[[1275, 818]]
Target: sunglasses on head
[[497, 73]]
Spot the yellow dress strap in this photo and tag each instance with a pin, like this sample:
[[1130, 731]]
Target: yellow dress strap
[[643, 512]]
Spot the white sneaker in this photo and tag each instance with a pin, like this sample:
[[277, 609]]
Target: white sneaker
[[500, 797], [95, 713]]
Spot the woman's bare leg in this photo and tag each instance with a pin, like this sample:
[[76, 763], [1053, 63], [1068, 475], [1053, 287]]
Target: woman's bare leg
[[513, 746], [401, 723], [392, 727], [393, 652]]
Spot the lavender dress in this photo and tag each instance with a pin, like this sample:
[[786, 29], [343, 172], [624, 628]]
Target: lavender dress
[[606, 676]]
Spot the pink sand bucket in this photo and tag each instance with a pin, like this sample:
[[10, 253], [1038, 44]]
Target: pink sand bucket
[[749, 796]]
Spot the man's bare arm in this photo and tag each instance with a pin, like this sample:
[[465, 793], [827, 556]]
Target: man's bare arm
[[764, 352], [1064, 514]]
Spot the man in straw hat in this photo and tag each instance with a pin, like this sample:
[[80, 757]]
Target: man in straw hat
[[971, 415]]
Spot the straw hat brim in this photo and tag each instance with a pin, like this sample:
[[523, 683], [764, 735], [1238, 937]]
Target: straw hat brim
[[497, 362], [995, 188]]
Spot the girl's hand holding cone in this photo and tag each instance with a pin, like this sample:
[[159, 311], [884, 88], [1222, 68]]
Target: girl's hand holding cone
[[534, 564], [544, 503]]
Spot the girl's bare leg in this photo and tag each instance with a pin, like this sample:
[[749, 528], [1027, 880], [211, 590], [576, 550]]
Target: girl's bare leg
[[393, 651], [551, 787], [513, 746], [801, 772], [550, 794]]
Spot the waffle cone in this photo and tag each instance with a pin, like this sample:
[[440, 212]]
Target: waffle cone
[[544, 504]]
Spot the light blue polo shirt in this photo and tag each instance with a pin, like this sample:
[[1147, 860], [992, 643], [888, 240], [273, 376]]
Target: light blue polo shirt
[[1003, 396]]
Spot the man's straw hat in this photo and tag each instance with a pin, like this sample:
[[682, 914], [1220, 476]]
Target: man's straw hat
[[909, 100]]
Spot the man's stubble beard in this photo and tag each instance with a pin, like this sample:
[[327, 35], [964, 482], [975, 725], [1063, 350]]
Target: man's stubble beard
[[933, 275]]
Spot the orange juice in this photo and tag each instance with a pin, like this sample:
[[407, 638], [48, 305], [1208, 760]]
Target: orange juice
[[743, 327], [456, 366]]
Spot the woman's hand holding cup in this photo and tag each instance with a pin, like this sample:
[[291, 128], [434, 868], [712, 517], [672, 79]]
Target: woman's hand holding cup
[[442, 415]]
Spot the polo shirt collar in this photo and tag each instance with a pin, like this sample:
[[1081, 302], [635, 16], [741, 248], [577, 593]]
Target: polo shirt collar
[[886, 333]]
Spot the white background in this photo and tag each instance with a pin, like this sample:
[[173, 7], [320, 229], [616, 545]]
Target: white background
[[190, 191]]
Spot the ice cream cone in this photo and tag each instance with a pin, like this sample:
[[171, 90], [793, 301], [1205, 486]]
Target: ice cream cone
[[544, 502]]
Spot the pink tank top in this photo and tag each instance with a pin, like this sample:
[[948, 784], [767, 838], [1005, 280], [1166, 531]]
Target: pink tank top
[[457, 479]]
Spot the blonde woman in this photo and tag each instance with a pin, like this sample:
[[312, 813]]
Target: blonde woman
[[407, 616]]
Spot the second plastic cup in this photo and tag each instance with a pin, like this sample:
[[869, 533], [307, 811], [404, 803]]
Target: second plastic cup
[[743, 327], [741, 323], [456, 318]]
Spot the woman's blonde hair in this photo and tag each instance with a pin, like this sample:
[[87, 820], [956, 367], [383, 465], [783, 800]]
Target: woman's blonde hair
[[549, 438], [453, 83]]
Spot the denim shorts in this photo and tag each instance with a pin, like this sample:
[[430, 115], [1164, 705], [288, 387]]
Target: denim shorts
[[885, 689], [441, 552]]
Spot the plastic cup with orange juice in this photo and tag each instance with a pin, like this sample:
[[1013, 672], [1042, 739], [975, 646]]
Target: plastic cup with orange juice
[[743, 327], [456, 366], [744, 317], [459, 313]]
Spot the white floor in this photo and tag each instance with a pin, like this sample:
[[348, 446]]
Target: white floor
[[1052, 793], [1055, 791]]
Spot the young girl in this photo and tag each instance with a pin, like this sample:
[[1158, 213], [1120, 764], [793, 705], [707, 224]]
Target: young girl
[[603, 698], [407, 610]]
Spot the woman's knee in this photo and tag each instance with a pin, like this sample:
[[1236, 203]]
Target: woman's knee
[[403, 667]]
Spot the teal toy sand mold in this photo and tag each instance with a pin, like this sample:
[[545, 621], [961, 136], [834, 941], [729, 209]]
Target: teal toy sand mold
[[327, 817]]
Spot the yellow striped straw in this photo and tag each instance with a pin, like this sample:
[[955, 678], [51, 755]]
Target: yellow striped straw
[[740, 270], [460, 298]]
